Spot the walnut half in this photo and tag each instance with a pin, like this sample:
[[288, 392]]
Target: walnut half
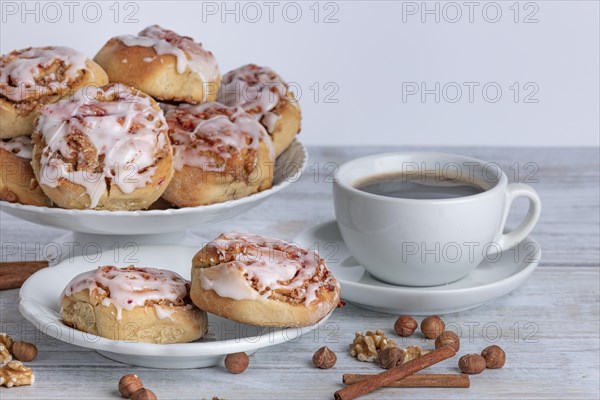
[[412, 352], [365, 347], [5, 347], [16, 374]]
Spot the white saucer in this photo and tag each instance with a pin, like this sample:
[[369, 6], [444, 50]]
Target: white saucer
[[489, 281], [288, 169], [39, 304]]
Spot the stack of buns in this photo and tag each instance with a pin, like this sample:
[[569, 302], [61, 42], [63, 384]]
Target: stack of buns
[[149, 118], [247, 278]]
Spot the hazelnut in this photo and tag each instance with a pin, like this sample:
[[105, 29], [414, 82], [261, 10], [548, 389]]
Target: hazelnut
[[448, 338], [390, 357], [471, 364], [324, 358], [405, 325], [143, 394], [494, 357], [432, 327], [236, 363], [129, 384], [24, 351]]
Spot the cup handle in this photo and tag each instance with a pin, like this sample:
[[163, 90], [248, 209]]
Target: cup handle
[[514, 190]]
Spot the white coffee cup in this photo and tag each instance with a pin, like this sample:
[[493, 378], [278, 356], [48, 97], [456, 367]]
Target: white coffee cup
[[426, 242]]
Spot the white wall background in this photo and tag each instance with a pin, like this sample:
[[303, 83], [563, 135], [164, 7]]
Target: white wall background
[[367, 59]]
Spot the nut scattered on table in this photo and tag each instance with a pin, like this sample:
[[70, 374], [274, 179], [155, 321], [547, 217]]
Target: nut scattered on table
[[432, 327], [5, 355], [6, 340], [405, 325], [324, 358], [24, 351], [412, 352], [144, 394], [393, 356], [129, 384], [236, 363], [448, 338], [494, 357], [365, 346], [390, 357], [6, 343], [471, 364], [16, 374]]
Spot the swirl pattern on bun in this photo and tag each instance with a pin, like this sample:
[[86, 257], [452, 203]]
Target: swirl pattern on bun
[[167, 66], [220, 153], [262, 281], [17, 180], [262, 93], [142, 304], [105, 148], [32, 77]]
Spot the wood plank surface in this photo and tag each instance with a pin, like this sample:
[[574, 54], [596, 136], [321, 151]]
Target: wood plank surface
[[549, 327]]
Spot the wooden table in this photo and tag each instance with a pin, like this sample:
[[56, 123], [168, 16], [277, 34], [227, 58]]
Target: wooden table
[[549, 326]]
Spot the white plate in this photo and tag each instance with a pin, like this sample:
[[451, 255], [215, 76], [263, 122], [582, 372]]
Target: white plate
[[288, 169], [488, 281], [39, 304]]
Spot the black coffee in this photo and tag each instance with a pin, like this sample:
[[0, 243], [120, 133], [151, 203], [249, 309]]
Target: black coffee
[[416, 186]]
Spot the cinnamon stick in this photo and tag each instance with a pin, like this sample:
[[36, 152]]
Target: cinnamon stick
[[394, 374], [13, 274], [419, 380]]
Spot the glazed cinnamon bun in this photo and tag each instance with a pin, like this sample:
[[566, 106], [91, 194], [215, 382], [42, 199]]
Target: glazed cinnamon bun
[[262, 281], [135, 304], [262, 93], [163, 64], [17, 181], [105, 148], [32, 77], [219, 153]]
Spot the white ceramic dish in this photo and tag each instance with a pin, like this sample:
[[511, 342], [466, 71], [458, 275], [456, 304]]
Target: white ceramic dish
[[288, 168], [488, 281], [39, 304]]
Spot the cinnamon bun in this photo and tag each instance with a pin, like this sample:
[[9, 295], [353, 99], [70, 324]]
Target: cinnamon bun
[[163, 64], [134, 304], [17, 181], [32, 77], [262, 281], [105, 148], [219, 153], [262, 93]]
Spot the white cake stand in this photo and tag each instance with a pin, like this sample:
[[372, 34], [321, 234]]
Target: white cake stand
[[99, 231]]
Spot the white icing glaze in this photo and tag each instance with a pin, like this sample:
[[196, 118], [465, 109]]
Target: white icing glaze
[[163, 312], [270, 264], [122, 129], [20, 146], [132, 287], [189, 54], [257, 90], [22, 72], [207, 135]]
